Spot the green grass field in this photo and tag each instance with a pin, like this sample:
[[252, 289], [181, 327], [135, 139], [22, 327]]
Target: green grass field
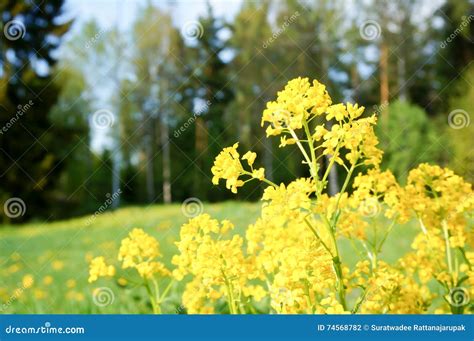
[[56, 255]]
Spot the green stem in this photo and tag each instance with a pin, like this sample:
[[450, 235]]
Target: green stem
[[359, 302], [165, 292], [264, 180], [313, 166], [448, 248], [463, 254], [346, 183], [333, 159], [317, 236], [155, 306], [303, 151], [230, 294], [379, 248], [340, 281], [337, 259]]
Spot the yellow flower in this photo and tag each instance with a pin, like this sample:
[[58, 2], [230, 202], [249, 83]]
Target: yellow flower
[[47, 280], [139, 251], [215, 262], [122, 281], [227, 166], [39, 294], [98, 268], [70, 283], [57, 265], [337, 111], [27, 281], [299, 101], [250, 157]]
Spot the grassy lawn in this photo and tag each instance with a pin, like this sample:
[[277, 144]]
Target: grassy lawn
[[56, 255]]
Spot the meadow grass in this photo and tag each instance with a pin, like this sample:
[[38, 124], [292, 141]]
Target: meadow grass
[[58, 252]]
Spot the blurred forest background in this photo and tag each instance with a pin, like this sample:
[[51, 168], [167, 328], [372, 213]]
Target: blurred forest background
[[137, 113]]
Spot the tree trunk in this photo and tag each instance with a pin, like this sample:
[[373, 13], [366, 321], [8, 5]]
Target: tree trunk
[[402, 89], [268, 158], [355, 81], [150, 176], [200, 145], [116, 177], [165, 142], [384, 87]]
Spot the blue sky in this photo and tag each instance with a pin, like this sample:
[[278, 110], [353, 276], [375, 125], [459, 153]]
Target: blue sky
[[109, 12]]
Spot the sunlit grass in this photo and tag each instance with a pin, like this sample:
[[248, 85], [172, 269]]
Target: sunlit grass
[[60, 251]]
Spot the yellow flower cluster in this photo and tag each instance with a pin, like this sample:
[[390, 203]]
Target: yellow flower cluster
[[140, 250], [295, 243], [289, 261], [387, 290], [217, 263], [228, 166], [299, 102], [98, 268]]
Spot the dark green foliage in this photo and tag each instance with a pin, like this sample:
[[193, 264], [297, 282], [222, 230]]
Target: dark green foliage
[[407, 138], [32, 147], [193, 93]]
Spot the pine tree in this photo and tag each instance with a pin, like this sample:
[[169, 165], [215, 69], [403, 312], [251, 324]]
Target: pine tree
[[33, 149]]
